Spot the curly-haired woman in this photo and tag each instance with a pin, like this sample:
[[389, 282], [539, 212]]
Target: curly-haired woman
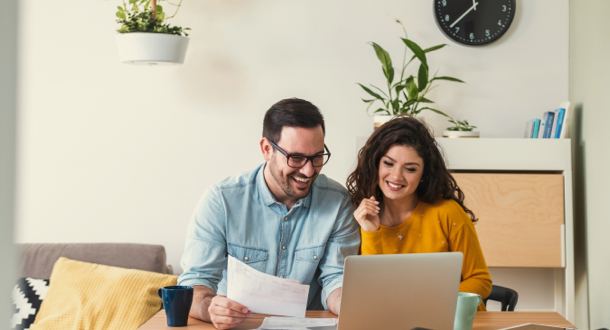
[[407, 201]]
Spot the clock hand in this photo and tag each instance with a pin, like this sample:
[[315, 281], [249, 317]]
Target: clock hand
[[474, 4], [464, 14]]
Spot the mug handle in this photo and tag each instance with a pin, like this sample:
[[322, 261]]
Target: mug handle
[[160, 293], [480, 299]]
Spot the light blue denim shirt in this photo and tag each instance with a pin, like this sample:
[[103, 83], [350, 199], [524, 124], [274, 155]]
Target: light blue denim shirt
[[240, 216]]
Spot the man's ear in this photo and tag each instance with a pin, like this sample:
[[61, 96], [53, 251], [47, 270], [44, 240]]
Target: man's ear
[[266, 149]]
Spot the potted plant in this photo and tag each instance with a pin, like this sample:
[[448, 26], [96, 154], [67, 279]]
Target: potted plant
[[460, 129], [406, 95], [145, 38]]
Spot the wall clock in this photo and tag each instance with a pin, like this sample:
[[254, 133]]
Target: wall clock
[[474, 22]]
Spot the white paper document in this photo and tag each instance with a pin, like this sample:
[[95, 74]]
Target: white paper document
[[297, 322], [264, 293]]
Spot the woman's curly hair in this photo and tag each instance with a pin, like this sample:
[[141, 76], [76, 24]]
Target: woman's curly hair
[[407, 131]]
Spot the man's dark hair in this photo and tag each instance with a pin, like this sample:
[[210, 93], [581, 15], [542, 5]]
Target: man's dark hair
[[292, 113]]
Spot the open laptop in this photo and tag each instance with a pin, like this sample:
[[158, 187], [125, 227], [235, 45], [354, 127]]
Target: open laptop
[[400, 291]]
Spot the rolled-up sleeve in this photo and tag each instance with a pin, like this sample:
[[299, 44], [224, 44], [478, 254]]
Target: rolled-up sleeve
[[343, 241], [205, 252]]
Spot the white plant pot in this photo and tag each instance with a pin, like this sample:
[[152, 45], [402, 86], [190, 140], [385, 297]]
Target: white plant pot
[[379, 120], [151, 48], [461, 134]]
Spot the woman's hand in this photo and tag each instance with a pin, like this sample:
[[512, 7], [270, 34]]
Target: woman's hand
[[367, 214]]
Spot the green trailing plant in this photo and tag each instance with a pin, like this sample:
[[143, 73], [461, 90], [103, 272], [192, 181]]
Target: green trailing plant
[[139, 16], [460, 125], [407, 95]]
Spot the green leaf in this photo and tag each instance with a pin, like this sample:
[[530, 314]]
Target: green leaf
[[121, 14], [434, 110], [386, 62], [367, 101], [159, 9], [433, 48], [419, 53], [382, 110], [399, 88], [447, 78], [422, 77], [412, 90], [395, 106], [132, 1], [375, 95], [424, 100]]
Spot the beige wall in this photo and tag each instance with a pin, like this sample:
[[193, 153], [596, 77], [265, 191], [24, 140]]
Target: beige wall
[[589, 83], [8, 96]]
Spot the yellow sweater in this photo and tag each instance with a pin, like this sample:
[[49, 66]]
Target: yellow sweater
[[439, 227]]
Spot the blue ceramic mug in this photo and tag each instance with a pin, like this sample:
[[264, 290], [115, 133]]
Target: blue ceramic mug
[[177, 301]]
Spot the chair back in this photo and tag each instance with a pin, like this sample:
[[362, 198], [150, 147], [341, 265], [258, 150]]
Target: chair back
[[507, 297]]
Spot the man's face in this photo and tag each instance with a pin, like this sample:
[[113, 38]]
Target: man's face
[[295, 183]]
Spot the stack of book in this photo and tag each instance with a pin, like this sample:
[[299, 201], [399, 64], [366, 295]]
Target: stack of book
[[553, 125]]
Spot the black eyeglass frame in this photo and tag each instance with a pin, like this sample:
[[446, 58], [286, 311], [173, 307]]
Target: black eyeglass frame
[[308, 158]]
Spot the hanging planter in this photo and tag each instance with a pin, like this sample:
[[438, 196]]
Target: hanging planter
[[143, 37]]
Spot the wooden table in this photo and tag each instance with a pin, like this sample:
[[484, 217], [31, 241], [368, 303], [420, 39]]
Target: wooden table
[[483, 320]]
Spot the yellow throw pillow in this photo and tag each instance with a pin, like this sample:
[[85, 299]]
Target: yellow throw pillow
[[83, 295]]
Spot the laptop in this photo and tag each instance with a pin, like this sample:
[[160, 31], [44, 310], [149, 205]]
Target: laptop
[[400, 291]]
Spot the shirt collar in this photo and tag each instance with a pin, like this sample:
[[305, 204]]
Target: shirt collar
[[268, 196]]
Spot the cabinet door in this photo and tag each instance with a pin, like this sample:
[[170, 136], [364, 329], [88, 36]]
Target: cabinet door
[[520, 217]]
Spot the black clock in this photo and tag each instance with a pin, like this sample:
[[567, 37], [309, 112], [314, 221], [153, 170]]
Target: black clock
[[474, 22]]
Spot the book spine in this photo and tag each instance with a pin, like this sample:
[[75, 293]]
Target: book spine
[[548, 120], [566, 119], [541, 129], [554, 129], [529, 128], [536, 128], [562, 112]]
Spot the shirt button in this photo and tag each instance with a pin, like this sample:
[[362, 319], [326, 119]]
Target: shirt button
[[315, 257], [284, 247], [246, 258], [285, 218], [281, 276]]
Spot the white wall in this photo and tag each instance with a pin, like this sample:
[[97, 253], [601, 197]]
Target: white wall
[[117, 153], [589, 82], [8, 110]]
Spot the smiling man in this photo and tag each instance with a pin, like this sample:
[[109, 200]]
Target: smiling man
[[284, 218]]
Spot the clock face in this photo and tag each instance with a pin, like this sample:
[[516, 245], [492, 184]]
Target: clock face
[[474, 22]]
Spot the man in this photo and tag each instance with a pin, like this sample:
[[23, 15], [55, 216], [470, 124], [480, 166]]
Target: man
[[283, 218]]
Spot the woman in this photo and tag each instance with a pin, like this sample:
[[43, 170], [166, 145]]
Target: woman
[[407, 201]]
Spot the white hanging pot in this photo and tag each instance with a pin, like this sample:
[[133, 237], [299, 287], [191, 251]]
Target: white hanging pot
[[151, 48], [461, 134]]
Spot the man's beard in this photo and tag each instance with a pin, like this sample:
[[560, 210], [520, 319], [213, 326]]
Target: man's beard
[[285, 182]]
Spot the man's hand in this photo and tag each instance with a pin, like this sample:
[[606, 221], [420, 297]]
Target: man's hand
[[334, 301], [218, 310], [226, 314]]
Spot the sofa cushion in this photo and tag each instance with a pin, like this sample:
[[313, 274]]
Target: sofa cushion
[[37, 260], [27, 296], [84, 295]]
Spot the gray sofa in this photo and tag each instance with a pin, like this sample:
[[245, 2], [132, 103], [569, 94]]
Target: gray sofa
[[37, 260]]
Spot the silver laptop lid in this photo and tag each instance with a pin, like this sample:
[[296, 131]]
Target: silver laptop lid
[[400, 291]]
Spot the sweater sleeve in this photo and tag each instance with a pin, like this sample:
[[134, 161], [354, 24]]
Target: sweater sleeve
[[371, 242], [475, 274]]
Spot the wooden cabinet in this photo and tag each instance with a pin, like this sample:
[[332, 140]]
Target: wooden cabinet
[[521, 217], [521, 190]]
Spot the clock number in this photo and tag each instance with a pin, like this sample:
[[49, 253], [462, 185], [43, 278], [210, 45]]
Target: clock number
[[487, 33], [447, 18], [445, 3], [471, 36], [500, 22], [457, 29], [503, 7]]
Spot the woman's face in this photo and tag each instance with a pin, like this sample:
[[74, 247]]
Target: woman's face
[[400, 171]]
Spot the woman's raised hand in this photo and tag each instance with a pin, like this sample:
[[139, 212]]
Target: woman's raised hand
[[367, 214]]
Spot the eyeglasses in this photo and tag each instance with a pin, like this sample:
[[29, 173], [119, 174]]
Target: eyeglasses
[[298, 161]]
